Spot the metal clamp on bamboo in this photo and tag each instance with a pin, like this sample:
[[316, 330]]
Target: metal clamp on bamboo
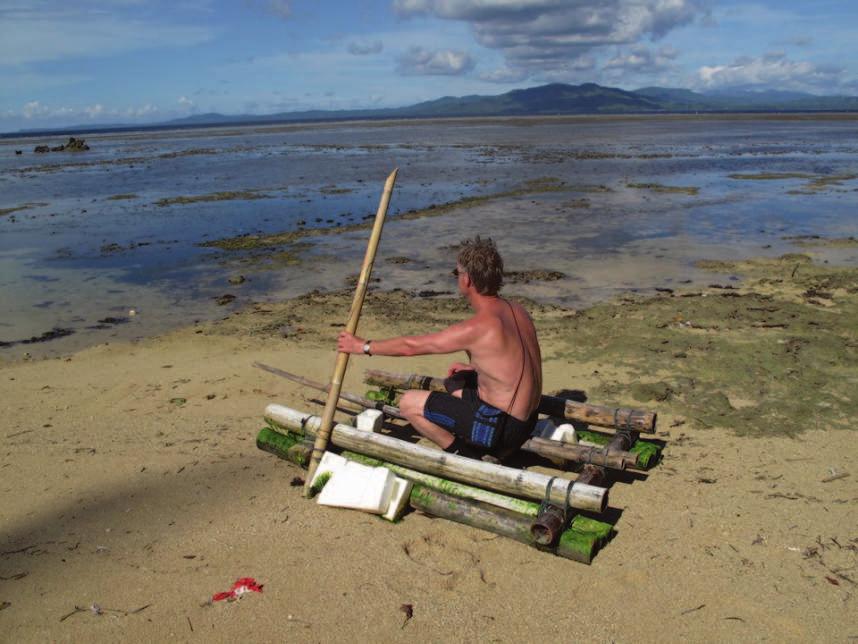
[[598, 475], [620, 418], [531, 485]]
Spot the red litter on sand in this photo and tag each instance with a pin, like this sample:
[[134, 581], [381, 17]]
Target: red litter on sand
[[239, 588]]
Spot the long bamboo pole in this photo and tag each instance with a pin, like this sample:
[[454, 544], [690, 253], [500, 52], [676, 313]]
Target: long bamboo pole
[[366, 403], [614, 459], [324, 432], [524, 483]]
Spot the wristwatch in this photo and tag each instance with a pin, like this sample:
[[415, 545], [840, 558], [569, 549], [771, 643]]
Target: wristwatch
[[366, 348]]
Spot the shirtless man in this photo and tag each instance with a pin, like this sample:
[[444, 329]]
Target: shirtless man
[[491, 402]]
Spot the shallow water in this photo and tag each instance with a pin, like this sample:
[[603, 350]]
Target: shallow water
[[75, 255]]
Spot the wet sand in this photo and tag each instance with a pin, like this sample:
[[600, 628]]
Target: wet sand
[[131, 480]]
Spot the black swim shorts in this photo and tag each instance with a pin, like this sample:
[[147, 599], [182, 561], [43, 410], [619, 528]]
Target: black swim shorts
[[476, 422]]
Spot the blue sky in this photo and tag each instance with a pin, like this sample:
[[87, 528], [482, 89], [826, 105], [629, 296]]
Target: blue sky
[[138, 61]]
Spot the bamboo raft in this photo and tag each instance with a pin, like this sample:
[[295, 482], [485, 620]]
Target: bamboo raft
[[559, 514]]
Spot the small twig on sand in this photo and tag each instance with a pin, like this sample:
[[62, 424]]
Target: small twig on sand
[[77, 609], [691, 610], [834, 477], [98, 610]]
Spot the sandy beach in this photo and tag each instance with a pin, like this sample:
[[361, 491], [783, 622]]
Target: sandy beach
[[130, 480]]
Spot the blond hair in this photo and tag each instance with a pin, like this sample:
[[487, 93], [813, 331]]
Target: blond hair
[[482, 262]]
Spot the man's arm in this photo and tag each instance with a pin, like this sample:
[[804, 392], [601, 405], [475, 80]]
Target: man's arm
[[458, 337]]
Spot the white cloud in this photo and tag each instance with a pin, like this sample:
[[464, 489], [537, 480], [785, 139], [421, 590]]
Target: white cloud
[[538, 36], [94, 111], [773, 70], [36, 110], [417, 61], [365, 48], [186, 104]]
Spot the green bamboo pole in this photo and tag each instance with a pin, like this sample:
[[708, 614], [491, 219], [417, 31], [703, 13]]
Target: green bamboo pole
[[286, 446], [342, 363]]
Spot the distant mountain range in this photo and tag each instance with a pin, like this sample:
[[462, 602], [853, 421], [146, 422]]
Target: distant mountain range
[[545, 100]]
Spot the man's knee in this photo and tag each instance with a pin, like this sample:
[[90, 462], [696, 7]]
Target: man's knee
[[412, 403]]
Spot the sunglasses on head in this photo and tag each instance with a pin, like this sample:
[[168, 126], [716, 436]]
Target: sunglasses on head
[[456, 272]]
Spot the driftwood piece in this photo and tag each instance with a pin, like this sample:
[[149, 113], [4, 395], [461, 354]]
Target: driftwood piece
[[612, 458], [530, 485], [548, 448], [615, 417]]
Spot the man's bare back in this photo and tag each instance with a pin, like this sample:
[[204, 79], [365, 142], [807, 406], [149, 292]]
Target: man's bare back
[[507, 359]]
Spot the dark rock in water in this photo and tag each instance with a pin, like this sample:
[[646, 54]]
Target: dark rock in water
[[73, 145], [226, 298], [113, 320], [113, 247], [76, 145], [19, 152], [431, 293], [53, 334], [237, 279], [399, 259]]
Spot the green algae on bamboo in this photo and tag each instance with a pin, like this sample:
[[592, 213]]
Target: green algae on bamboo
[[283, 445], [506, 523], [320, 483], [647, 453], [578, 546]]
